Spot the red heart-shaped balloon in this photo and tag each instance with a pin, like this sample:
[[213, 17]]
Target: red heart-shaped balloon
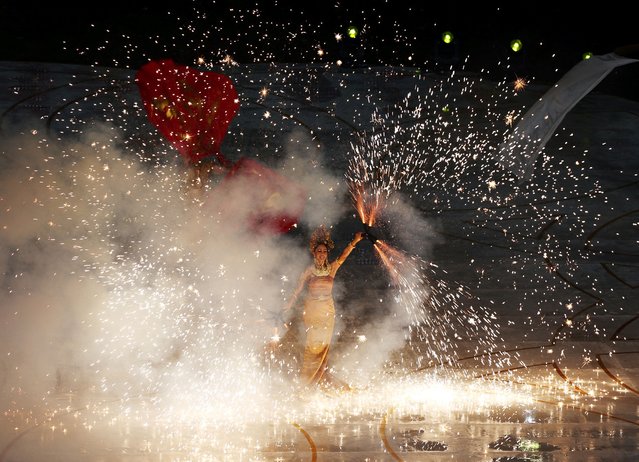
[[191, 108]]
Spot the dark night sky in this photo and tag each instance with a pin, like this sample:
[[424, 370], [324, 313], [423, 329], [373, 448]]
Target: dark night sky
[[127, 34]]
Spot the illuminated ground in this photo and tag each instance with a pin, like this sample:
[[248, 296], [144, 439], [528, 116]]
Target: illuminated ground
[[567, 314]]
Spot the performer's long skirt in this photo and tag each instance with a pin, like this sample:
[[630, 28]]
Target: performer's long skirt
[[319, 320]]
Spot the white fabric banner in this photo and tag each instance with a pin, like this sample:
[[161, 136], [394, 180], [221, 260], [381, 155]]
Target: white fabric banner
[[523, 145]]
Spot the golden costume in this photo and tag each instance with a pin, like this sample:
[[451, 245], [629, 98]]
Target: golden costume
[[319, 320]]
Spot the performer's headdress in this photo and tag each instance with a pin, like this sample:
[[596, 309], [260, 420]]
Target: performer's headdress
[[321, 236]]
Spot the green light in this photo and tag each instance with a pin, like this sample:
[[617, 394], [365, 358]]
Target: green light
[[352, 32], [446, 108], [587, 55], [516, 45], [447, 37]]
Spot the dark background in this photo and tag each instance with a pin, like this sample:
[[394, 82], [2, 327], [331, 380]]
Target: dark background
[[128, 34]]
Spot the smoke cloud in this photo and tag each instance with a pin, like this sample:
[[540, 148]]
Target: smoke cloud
[[119, 278]]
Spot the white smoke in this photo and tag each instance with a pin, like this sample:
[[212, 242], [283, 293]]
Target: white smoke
[[119, 280]]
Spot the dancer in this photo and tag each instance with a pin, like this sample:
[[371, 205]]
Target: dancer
[[319, 309]]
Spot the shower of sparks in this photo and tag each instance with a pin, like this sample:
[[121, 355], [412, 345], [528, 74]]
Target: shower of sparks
[[366, 209], [414, 145], [445, 322]]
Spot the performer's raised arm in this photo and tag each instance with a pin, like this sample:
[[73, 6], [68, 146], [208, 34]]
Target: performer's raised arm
[[347, 251]]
